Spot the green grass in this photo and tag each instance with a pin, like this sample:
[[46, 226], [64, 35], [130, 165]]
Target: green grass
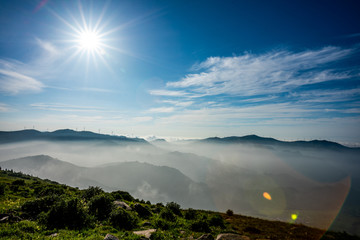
[[43, 209]]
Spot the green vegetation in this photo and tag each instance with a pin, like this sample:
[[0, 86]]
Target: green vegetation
[[31, 208]]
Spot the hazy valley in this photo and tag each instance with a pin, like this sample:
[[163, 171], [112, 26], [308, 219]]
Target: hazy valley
[[315, 181]]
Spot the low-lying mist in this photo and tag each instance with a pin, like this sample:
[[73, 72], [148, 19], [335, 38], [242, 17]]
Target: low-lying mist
[[293, 184]]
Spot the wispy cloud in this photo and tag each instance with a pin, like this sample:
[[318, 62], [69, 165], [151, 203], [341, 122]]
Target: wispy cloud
[[327, 96], [143, 119], [161, 110], [18, 77], [4, 107], [179, 103], [13, 82], [273, 72], [57, 107], [265, 88], [168, 93]]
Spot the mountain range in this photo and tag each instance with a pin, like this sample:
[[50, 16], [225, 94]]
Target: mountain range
[[62, 135], [318, 180]]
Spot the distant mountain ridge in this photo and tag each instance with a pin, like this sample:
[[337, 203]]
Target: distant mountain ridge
[[62, 135], [71, 135], [254, 139]]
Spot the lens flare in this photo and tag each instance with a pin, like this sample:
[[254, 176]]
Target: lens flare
[[267, 196]]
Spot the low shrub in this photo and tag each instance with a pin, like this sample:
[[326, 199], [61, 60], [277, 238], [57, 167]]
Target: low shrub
[[142, 211], [121, 195], [91, 192], [101, 206], [200, 226], [2, 189], [18, 182], [67, 214], [46, 190], [35, 207], [229, 212], [167, 214], [174, 207], [122, 219], [217, 221], [190, 214], [162, 224]]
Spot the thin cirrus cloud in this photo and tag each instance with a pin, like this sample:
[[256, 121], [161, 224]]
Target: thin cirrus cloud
[[273, 72], [4, 107], [161, 110], [13, 83], [18, 77]]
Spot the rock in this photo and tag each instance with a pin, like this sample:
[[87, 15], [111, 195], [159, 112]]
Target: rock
[[4, 219], [110, 237], [206, 237], [54, 235], [145, 233], [122, 205], [231, 236], [9, 218]]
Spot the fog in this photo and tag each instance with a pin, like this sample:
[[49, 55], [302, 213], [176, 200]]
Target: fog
[[292, 184]]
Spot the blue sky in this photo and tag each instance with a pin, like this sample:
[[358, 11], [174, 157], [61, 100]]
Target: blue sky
[[183, 69]]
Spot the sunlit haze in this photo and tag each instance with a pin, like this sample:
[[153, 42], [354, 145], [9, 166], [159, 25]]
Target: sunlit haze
[[249, 106]]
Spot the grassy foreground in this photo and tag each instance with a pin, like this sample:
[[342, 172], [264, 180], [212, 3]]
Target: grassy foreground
[[32, 208]]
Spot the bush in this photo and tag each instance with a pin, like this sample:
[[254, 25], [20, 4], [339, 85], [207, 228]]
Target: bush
[[167, 214], [121, 195], [2, 189], [217, 221], [35, 207], [100, 206], [190, 214], [174, 207], [142, 211], [67, 214], [46, 190], [229, 212], [162, 224], [18, 182], [200, 226], [122, 219], [92, 192]]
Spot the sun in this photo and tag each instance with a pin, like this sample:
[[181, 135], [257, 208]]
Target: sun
[[89, 40]]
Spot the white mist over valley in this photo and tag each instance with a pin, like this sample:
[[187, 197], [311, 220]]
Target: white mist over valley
[[316, 181]]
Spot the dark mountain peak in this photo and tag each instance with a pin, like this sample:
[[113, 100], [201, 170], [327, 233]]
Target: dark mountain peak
[[257, 140], [63, 135], [244, 139]]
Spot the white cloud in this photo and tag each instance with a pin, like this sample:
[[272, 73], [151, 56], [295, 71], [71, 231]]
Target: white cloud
[[14, 83], [143, 119], [18, 77], [161, 110], [167, 93], [50, 50], [4, 107], [179, 103], [273, 72], [238, 115], [327, 96]]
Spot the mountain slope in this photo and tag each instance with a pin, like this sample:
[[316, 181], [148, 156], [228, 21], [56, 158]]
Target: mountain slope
[[156, 183]]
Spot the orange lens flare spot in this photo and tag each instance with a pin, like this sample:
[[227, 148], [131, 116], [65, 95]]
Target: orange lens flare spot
[[267, 196], [294, 216]]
